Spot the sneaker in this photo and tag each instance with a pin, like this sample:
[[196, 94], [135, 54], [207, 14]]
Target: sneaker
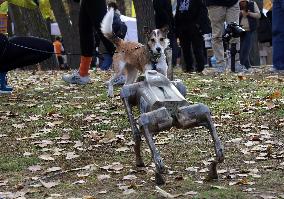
[[219, 68], [239, 68], [274, 70], [6, 90], [75, 78]]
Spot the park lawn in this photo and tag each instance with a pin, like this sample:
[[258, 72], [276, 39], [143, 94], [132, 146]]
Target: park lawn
[[68, 141]]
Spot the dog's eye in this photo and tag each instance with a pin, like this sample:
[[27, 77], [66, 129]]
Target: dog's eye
[[153, 40], [162, 39]]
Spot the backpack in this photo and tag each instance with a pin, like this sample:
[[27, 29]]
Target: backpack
[[118, 26]]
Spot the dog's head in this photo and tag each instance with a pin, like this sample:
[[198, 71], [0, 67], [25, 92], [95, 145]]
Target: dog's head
[[157, 40]]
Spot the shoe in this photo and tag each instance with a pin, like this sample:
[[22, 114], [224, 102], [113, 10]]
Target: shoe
[[75, 78], [239, 68], [219, 68], [3, 84], [274, 70]]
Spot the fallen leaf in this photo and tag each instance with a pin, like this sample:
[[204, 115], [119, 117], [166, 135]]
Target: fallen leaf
[[49, 184], [122, 149], [164, 193], [129, 177], [79, 182], [53, 169], [34, 168], [46, 157], [128, 191], [71, 155], [103, 177]]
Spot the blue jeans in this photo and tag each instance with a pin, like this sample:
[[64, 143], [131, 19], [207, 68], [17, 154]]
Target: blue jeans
[[278, 34], [246, 42], [106, 64]]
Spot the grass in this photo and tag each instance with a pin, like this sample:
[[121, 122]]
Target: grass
[[50, 110], [16, 164]]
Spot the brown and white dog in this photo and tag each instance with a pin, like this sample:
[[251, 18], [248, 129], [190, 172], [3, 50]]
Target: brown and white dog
[[132, 57]]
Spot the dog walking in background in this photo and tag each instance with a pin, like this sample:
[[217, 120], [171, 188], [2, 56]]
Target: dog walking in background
[[132, 57]]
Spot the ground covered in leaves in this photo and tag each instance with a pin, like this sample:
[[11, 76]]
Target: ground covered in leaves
[[69, 141]]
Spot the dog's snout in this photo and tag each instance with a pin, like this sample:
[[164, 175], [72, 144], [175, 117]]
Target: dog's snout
[[158, 49]]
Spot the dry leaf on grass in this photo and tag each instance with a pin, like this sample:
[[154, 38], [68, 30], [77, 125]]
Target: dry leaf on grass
[[49, 185]]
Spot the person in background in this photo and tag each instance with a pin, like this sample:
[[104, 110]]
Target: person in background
[[120, 29], [91, 15], [58, 49], [18, 52], [248, 20], [221, 11], [278, 36], [164, 18], [188, 29]]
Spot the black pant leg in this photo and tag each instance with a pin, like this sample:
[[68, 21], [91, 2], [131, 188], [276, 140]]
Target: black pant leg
[[185, 43], [86, 31], [96, 10], [198, 49]]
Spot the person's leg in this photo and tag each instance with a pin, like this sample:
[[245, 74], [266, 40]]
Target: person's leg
[[3, 83], [107, 61], [86, 39], [232, 15], [217, 15], [96, 11], [173, 45], [185, 42], [87, 45], [198, 47], [245, 49], [278, 35]]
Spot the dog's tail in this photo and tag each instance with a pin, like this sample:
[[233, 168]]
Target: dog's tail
[[106, 27]]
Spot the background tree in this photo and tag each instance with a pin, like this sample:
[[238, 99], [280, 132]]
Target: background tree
[[74, 9], [121, 6], [145, 16], [68, 30]]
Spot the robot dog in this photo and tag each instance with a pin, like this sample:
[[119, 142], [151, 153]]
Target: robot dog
[[162, 105]]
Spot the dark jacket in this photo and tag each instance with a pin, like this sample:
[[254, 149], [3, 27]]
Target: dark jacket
[[195, 15], [226, 3], [252, 21], [163, 13]]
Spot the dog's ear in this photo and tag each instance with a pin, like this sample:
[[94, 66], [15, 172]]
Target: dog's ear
[[146, 30], [165, 29]]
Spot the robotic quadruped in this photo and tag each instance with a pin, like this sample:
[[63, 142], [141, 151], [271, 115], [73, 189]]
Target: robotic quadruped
[[162, 105]]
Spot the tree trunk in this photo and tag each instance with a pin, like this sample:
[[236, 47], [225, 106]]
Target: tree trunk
[[145, 17], [121, 6], [15, 13], [74, 9], [68, 34], [36, 26]]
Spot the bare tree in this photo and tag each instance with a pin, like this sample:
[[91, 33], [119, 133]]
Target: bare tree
[[15, 13], [145, 16], [74, 9], [121, 6], [70, 37], [31, 22]]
